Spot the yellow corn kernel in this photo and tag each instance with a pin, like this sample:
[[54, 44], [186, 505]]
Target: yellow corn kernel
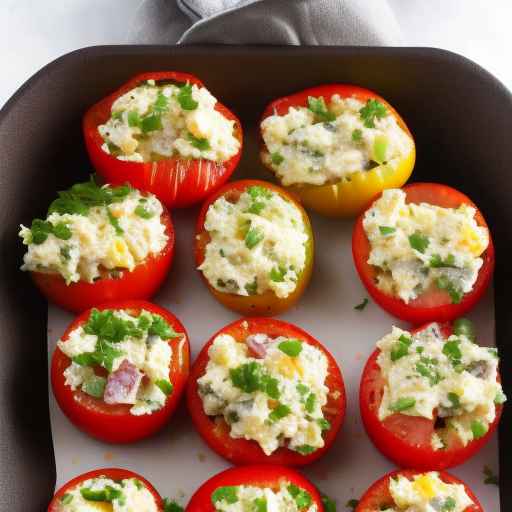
[[119, 255], [425, 487]]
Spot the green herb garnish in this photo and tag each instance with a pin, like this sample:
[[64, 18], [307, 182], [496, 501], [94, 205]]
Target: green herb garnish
[[386, 230], [373, 109], [277, 158], [319, 108], [478, 429], [362, 305], [357, 135], [198, 143], [290, 347], [165, 386], [279, 412], [418, 242], [185, 99], [302, 498], [253, 237], [228, 493], [95, 386], [402, 404]]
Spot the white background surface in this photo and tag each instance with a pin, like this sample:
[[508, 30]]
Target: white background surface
[[34, 32]]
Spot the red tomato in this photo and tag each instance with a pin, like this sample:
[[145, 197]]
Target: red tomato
[[433, 304], [256, 476], [346, 198], [177, 182], [113, 423], [378, 497], [266, 303], [113, 474], [215, 431], [406, 440], [140, 283]]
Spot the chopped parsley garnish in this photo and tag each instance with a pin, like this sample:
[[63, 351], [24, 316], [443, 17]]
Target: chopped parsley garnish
[[302, 389], [402, 404], [454, 399], [159, 327], [251, 377], [95, 386], [252, 288], [83, 196], [142, 211], [279, 412], [490, 477], [362, 305], [319, 108], [302, 498], [259, 505], [277, 274], [165, 386], [253, 237], [451, 349], [114, 221], [373, 109], [357, 135], [418, 242], [478, 429], [133, 119], [464, 327], [256, 207], [66, 499], [277, 158], [386, 230], [443, 283], [448, 505], [151, 123], [290, 347], [426, 368], [323, 424], [172, 506], [40, 229], [305, 449], [161, 104], [258, 192], [104, 355], [400, 348], [185, 99], [107, 494], [198, 143], [64, 252], [437, 262], [229, 494], [310, 403]]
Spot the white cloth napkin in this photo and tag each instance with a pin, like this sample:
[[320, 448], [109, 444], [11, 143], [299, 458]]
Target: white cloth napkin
[[298, 22]]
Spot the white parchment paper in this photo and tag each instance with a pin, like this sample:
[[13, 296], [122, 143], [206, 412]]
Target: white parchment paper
[[177, 462]]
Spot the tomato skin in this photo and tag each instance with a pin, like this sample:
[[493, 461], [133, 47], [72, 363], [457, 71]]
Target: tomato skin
[[242, 451], [256, 475], [177, 182], [378, 494], [113, 474], [141, 283], [101, 420], [434, 305], [404, 439], [345, 198], [266, 304]]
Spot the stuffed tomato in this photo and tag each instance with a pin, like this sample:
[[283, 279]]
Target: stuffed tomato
[[336, 146], [106, 490], [99, 243], [422, 492], [166, 134], [431, 398], [254, 247], [119, 370], [258, 488], [423, 252], [265, 391]]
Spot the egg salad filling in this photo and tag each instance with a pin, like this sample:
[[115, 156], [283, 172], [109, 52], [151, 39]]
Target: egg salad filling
[[245, 498], [270, 390], [426, 492], [417, 247], [122, 358], [452, 381], [103, 494], [257, 243], [326, 143], [94, 231], [153, 122]]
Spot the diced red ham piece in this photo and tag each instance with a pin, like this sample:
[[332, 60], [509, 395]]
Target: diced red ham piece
[[257, 348], [123, 384]]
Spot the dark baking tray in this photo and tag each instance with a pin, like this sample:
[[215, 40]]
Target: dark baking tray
[[460, 115]]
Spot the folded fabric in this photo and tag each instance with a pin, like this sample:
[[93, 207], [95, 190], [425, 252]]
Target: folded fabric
[[299, 22]]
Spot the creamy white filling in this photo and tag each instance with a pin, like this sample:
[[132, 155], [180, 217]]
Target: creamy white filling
[[131, 496], [96, 243], [456, 378], [149, 353], [426, 492], [305, 148], [251, 498], [419, 246], [256, 244], [289, 412], [196, 131]]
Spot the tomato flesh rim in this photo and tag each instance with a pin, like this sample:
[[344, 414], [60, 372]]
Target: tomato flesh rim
[[439, 195], [216, 432]]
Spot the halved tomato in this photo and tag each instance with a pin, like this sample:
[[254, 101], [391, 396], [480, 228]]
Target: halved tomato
[[267, 303], [404, 439], [177, 182], [378, 497], [433, 304], [216, 432], [113, 423], [56, 505], [140, 283], [264, 476], [347, 197]]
